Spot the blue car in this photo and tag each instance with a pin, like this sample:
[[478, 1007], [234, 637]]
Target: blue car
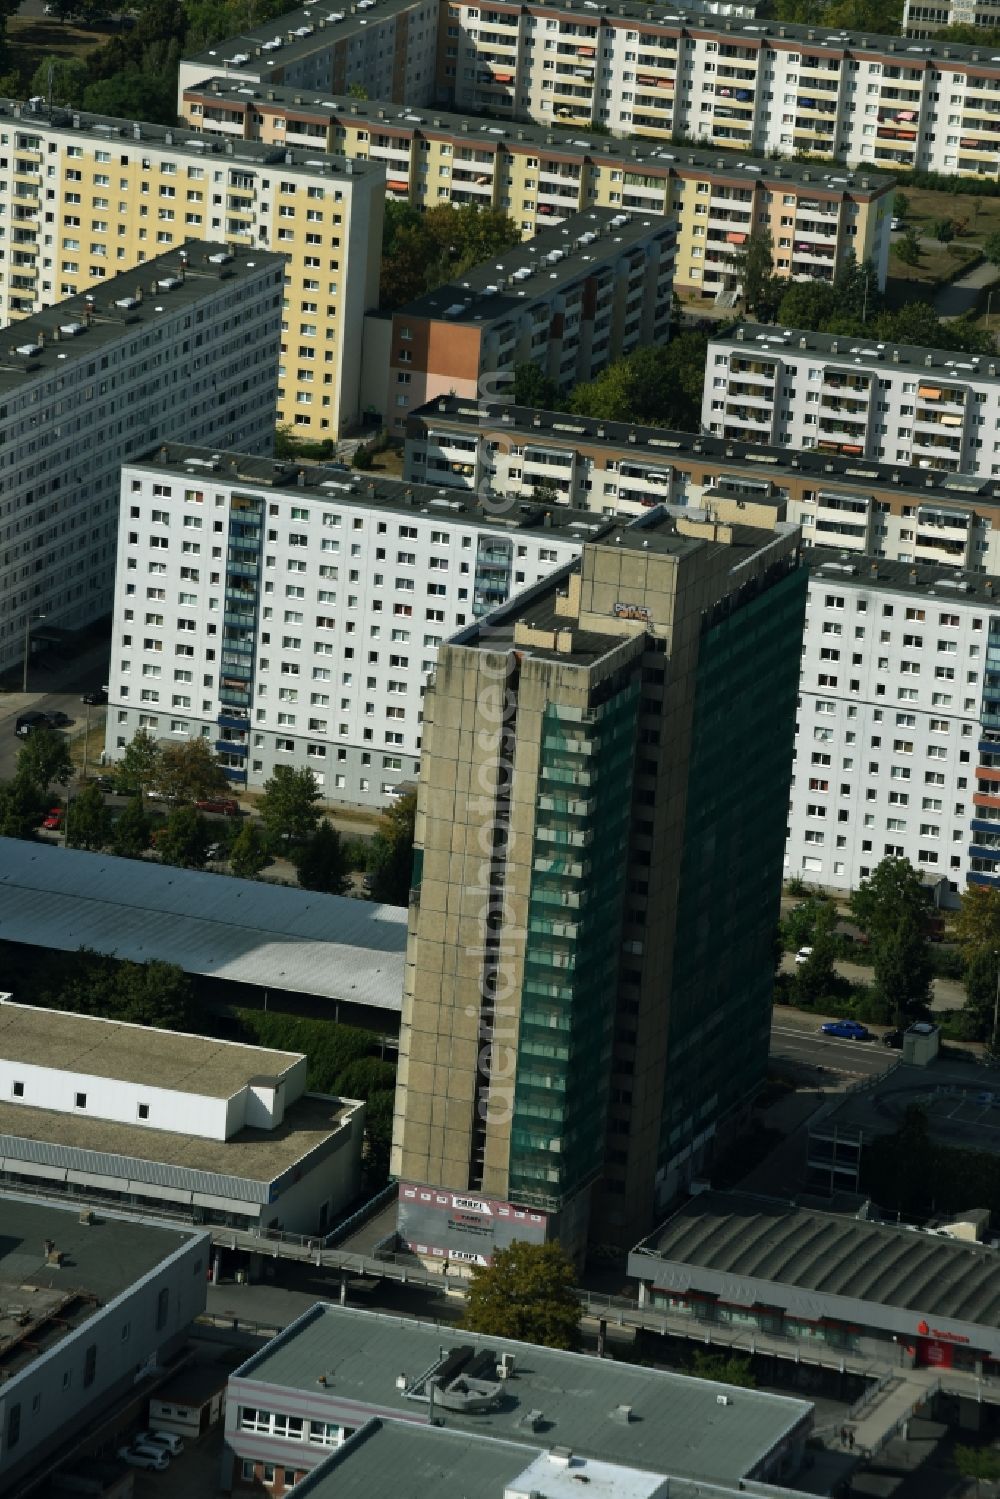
[[847, 1030]]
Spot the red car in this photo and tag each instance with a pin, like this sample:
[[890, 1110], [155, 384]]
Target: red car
[[53, 818], [221, 804]]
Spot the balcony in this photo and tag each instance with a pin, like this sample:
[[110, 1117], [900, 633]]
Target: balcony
[[231, 747]]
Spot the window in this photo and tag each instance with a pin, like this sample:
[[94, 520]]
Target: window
[[144, 1111], [90, 1365], [14, 1425], [80, 1100], [17, 1089], [162, 1308]]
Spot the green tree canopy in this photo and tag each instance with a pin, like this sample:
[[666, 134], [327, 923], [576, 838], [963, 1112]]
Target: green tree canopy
[[807, 304], [21, 806], [190, 771], [724, 1368], [88, 819], [659, 386], [527, 1293], [814, 979], [248, 856], [183, 839], [390, 859], [134, 95], [421, 251], [288, 806], [139, 766], [891, 907], [991, 247], [89, 983], [321, 863], [533, 388], [61, 80], [43, 760], [753, 266], [132, 830]]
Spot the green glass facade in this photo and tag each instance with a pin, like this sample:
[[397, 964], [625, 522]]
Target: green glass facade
[[732, 858], [569, 993]]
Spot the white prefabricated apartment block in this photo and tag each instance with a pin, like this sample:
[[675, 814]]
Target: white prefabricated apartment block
[[185, 346], [925, 17], [147, 1119], [897, 749], [757, 86], [860, 505], [291, 616], [920, 407], [86, 196]]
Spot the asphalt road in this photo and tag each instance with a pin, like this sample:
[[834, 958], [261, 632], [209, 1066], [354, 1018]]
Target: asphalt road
[[66, 702], [855, 1058]]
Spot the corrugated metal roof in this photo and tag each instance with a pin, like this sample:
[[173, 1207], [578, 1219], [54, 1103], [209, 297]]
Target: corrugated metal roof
[[246, 930]]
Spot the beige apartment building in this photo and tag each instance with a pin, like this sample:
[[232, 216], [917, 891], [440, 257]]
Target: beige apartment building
[[756, 86], [540, 177], [859, 505], [575, 1035], [84, 196], [570, 301]]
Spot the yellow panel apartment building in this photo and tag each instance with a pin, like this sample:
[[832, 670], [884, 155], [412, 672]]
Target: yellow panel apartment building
[[816, 214], [84, 196]]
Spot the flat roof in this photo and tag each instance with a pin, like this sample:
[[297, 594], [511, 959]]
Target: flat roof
[[530, 135], [850, 354], [677, 1425], [35, 114], [778, 1242], [101, 1260], [351, 486], [247, 931], [134, 1053], [949, 585], [536, 268], [957, 1099], [251, 1155], [426, 1462], [819, 39], [755, 463], [44, 344]]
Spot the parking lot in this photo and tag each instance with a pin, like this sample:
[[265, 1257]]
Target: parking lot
[[193, 1475]]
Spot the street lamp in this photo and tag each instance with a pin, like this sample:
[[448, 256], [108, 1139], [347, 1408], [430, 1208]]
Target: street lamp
[[30, 619]]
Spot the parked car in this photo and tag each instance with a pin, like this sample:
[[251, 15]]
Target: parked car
[[803, 955], [27, 723], [226, 806], [53, 818], [847, 1030], [57, 720], [168, 1440], [95, 698], [155, 1459], [213, 851], [896, 222], [368, 881], [893, 1039]]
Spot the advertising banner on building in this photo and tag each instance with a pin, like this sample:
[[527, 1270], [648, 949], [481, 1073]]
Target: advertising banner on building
[[463, 1226]]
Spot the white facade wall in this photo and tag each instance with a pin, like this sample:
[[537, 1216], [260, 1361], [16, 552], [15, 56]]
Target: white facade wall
[[924, 410], [886, 746], [68, 421], [355, 598]]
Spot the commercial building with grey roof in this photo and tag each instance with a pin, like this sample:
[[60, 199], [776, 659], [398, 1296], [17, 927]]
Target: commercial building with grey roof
[[898, 1293], [160, 1121], [185, 344], [91, 1306], [336, 1367]]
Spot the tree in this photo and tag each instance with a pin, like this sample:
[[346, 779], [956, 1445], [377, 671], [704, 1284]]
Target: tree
[[907, 249], [132, 831], [133, 95], [855, 288], [806, 304], [21, 806], [943, 230], [357, 91], [725, 1368], [90, 983], [526, 1293], [903, 971], [139, 766], [815, 978], [979, 1463], [190, 771], [390, 861], [977, 932], [892, 894], [247, 856], [753, 267], [321, 863], [43, 759], [88, 819], [61, 80], [288, 806], [532, 388], [991, 247], [183, 839], [900, 205]]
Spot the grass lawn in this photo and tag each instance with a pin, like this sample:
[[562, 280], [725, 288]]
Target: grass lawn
[[31, 39], [981, 216]]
